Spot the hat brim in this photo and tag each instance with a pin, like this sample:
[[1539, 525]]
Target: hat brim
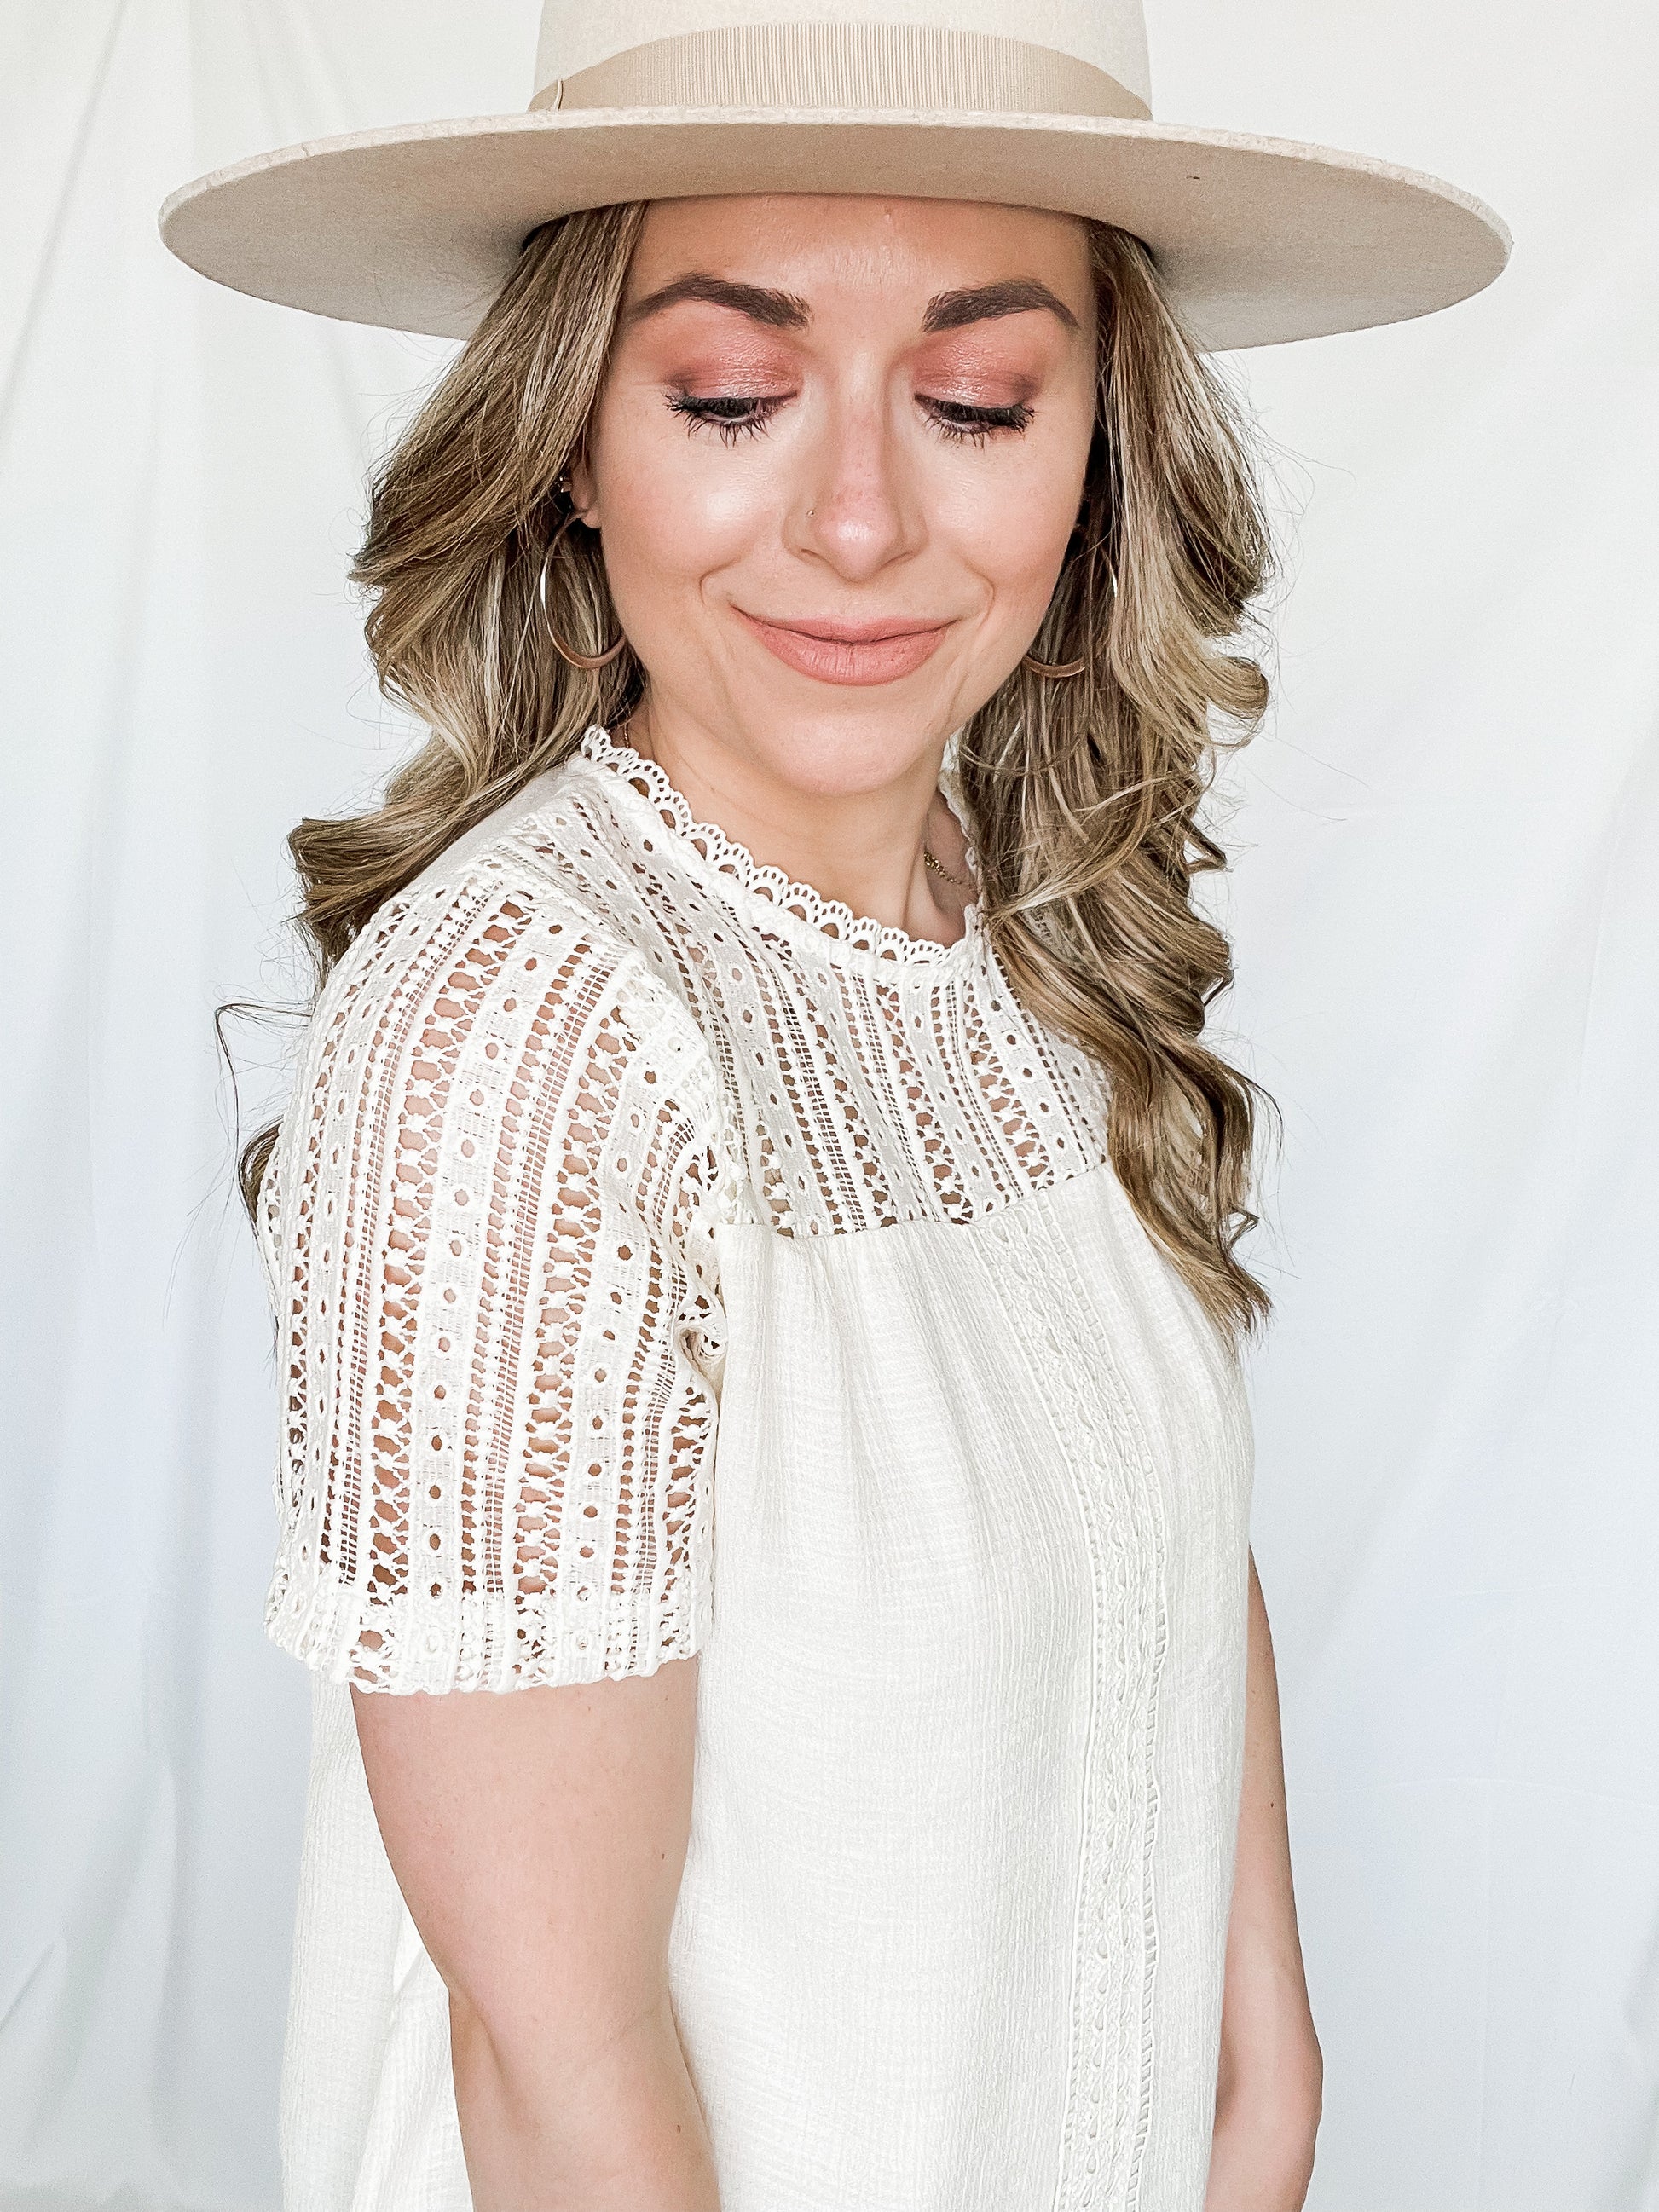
[[1259, 240]]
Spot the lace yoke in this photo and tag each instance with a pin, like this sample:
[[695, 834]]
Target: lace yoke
[[592, 1033]]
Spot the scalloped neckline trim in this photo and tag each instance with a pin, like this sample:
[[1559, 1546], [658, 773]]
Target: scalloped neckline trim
[[737, 870]]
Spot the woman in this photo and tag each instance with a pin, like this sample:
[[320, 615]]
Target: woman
[[753, 1238]]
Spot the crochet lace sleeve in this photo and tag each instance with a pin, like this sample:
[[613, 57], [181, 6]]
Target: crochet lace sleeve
[[488, 1222]]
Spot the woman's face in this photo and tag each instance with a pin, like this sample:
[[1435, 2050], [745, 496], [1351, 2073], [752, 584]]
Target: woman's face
[[835, 466]]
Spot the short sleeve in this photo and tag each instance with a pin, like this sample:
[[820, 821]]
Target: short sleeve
[[499, 1329]]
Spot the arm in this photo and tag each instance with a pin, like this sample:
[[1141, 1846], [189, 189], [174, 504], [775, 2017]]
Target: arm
[[538, 1836], [1269, 2090]]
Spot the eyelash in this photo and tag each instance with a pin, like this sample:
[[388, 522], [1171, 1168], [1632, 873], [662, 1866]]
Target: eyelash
[[709, 414], [974, 425], [960, 424]]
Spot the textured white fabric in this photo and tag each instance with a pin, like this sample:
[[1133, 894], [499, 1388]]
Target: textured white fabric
[[671, 1262]]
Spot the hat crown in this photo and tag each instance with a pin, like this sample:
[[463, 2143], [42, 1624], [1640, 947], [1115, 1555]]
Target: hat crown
[[1086, 57]]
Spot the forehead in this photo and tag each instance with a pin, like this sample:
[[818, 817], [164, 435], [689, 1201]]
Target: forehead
[[902, 249]]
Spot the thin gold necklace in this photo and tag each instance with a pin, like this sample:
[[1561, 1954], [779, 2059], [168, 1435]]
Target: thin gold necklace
[[940, 871]]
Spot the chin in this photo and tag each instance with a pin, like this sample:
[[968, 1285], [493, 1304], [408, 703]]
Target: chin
[[853, 744]]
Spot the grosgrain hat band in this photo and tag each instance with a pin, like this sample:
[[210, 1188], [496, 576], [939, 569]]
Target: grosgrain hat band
[[845, 65]]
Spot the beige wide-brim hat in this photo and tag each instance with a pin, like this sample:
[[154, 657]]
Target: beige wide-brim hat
[[1258, 239]]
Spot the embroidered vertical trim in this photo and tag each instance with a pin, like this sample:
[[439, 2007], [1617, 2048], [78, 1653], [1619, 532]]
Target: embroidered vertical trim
[[1110, 2085]]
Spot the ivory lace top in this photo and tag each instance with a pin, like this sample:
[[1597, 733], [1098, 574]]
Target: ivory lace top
[[667, 1261]]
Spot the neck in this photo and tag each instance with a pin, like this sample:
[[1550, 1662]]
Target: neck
[[866, 847]]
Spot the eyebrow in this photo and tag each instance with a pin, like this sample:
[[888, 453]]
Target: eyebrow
[[983, 303], [786, 311], [777, 310]]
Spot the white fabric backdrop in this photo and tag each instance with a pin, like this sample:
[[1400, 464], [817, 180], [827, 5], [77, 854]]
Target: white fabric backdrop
[[1446, 913]]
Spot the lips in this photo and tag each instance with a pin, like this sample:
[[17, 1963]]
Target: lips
[[849, 652]]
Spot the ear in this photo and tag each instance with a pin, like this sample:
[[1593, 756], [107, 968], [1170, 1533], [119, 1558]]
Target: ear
[[584, 493]]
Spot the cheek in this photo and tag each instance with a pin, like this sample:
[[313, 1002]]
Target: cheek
[[673, 505], [1012, 524]]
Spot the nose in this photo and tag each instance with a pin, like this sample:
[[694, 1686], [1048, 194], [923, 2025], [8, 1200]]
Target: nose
[[856, 508]]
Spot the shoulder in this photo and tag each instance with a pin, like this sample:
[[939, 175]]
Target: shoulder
[[524, 925], [490, 1003]]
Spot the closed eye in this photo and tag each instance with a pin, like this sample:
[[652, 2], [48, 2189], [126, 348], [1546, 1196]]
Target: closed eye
[[974, 425], [737, 414], [734, 415]]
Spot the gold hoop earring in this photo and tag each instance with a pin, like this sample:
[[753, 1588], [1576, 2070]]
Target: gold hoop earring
[[587, 661], [1054, 668]]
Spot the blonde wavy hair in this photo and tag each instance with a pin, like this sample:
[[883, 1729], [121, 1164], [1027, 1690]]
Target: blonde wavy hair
[[1084, 793]]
